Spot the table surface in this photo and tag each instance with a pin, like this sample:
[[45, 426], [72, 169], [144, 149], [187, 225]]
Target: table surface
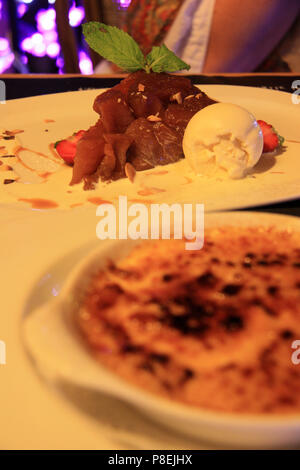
[[21, 86]]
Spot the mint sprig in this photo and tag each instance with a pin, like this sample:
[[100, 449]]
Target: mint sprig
[[120, 48], [114, 45], [161, 59]]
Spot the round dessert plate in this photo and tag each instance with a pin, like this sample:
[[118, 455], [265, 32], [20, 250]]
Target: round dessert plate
[[49, 118]]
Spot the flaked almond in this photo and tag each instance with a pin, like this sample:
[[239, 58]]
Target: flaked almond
[[141, 87], [189, 97], [5, 167], [199, 95], [177, 97], [153, 118], [8, 181], [14, 132], [130, 172]]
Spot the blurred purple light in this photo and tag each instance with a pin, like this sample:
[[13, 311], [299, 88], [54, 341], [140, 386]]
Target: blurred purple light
[[7, 57], [50, 36], [46, 20], [6, 62], [37, 38], [21, 9], [39, 50], [76, 15], [34, 45], [53, 50], [26, 44], [4, 46], [60, 62], [45, 40], [124, 3], [85, 63]]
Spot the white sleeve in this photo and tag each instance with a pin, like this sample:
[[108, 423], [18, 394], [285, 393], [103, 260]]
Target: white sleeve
[[189, 34]]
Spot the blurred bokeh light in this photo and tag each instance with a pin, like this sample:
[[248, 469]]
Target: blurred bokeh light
[[29, 40]]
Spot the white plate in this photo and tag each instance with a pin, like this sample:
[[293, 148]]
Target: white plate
[[33, 416], [276, 177]]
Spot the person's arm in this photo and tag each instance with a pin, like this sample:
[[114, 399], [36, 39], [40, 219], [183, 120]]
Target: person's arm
[[244, 32]]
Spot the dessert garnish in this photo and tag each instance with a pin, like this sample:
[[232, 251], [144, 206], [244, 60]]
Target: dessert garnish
[[66, 148], [120, 48], [272, 140]]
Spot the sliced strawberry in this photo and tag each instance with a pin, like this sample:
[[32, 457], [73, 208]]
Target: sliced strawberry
[[77, 136], [272, 140], [66, 148]]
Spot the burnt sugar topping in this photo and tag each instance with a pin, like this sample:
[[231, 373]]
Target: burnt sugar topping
[[216, 335]]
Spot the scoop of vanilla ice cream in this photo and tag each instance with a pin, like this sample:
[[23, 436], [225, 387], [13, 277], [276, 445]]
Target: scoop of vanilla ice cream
[[223, 135]]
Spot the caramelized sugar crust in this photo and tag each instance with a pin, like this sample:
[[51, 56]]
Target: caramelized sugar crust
[[210, 328]]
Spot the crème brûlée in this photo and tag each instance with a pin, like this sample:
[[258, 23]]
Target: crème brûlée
[[212, 328]]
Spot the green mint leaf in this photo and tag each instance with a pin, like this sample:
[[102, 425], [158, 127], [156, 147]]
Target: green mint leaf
[[161, 59], [280, 138], [114, 45]]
